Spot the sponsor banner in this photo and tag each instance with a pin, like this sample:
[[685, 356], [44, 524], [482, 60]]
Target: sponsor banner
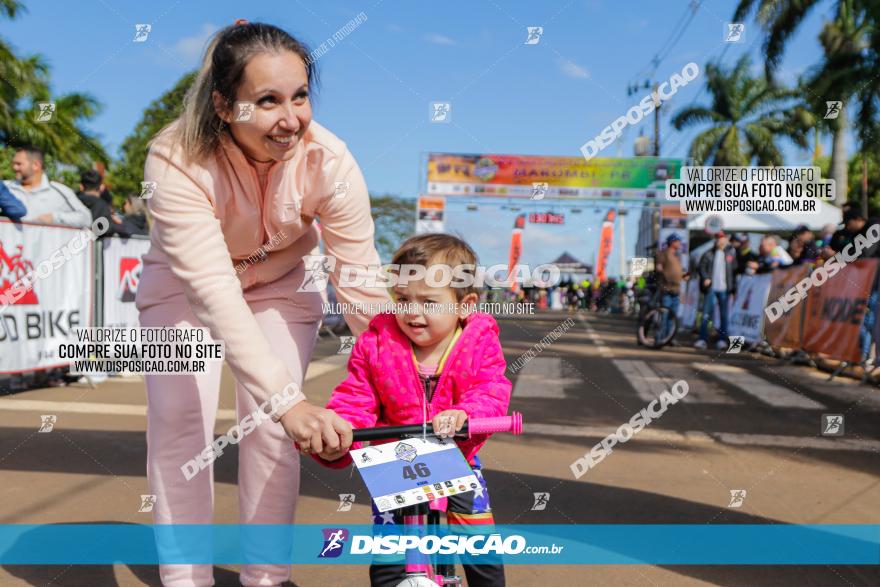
[[122, 272], [606, 240], [566, 177], [747, 308], [429, 214], [835, 312], [688, 308], [530, 544], [786, 331], [57, 299]]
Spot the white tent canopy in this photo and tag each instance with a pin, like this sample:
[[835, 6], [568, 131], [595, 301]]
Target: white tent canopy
[[777, 222]]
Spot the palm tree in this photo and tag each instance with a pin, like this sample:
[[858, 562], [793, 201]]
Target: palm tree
[[747, 117], [24, 83], [851, 68]]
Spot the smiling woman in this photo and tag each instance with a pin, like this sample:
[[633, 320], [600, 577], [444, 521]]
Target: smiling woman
[[246, 169]]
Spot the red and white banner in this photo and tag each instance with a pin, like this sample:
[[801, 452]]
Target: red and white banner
[[122, 272], [606, 239], [515, 250], [40, 312]]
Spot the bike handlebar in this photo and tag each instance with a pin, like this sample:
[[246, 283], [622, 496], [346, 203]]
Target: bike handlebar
[[512, 423]]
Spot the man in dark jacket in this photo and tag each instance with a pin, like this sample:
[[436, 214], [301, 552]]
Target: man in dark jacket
[[716, 270], [10, 206]]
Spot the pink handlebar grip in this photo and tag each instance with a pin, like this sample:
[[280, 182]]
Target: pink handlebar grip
[[512, 423]]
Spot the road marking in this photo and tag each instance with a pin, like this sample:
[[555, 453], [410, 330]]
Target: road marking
[[735, 439], [604, 350], [642, 378], [541, 377], [316, 369], [700, 391], [759, 387]]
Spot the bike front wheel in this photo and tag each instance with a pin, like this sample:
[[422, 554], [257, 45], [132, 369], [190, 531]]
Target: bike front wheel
[[657, 328]]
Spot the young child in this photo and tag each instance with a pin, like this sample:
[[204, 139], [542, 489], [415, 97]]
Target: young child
[[441, 364]]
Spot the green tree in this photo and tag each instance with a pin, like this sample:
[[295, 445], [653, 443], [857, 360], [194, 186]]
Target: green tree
[[395, 220], [746, 118], [125, 176], [24, 84], [850, 71]]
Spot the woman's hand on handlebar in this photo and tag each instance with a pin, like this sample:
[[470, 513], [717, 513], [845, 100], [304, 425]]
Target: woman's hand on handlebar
[[448, 422], [317, 430]]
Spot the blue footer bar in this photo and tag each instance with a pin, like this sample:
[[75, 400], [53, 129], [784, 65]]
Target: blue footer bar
[[614, 544]]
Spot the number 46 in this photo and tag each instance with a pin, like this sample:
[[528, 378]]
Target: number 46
[[421, 470]]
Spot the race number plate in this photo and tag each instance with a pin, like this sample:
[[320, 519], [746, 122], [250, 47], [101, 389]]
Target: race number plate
[[412, 471]]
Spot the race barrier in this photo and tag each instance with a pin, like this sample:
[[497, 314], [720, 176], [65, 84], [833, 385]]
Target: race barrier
[[54, 279], [827, 322]]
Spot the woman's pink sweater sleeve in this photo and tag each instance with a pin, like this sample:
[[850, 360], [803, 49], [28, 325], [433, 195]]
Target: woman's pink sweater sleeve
[[186, 230], [355, 399], [347, 229]]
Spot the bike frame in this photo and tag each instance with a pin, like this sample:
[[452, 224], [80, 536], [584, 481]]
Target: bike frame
[[417, 564]]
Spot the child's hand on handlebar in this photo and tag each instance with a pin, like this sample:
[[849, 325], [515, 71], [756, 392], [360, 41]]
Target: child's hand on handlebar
[[448, 422]]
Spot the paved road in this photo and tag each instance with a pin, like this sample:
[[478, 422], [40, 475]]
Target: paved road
[[747, 423]]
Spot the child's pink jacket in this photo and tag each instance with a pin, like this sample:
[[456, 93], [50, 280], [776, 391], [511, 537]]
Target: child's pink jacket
[[383, 387]]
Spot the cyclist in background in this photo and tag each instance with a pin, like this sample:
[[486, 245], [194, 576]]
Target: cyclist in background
[[669, 277]]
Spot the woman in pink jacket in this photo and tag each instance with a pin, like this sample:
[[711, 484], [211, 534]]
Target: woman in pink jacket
[[240, 178]]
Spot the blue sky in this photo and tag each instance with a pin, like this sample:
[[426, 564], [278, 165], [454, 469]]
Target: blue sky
[[377, 83]]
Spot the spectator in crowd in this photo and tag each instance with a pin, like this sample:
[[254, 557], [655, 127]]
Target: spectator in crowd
[[746, 258], [10, 206], [670, 275], [825, 236], [771, 255], [90, 195], [46, 201], [136, 220], [716, 270], [802, 246], [854, 223]]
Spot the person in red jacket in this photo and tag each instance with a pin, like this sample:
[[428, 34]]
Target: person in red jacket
[[432, 360]]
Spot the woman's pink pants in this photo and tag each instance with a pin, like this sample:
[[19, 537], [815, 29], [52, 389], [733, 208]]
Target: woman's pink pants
[[181, 413]]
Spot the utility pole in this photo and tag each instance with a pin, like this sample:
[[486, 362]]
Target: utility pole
[[656, 120]]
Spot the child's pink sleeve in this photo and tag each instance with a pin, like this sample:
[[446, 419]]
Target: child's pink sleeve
[[355, 399], [489, 394]]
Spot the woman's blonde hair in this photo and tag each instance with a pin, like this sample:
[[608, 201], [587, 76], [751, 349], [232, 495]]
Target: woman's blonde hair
[[198, 129]]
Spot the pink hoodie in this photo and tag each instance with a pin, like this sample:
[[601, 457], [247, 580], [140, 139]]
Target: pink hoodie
[[383, 387], [210, 216]]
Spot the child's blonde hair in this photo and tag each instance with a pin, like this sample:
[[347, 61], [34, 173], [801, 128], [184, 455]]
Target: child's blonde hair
[[438, 248]]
